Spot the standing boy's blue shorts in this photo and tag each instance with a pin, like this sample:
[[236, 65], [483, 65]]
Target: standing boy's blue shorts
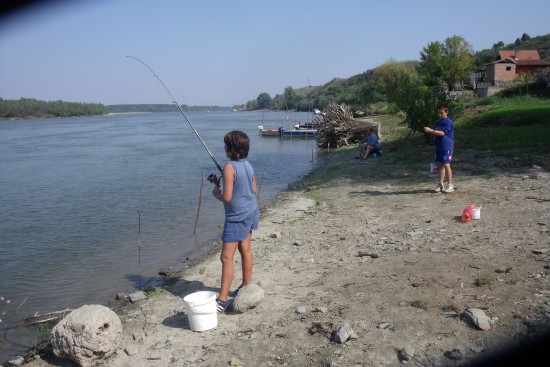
[[444, 156], [238, 231]]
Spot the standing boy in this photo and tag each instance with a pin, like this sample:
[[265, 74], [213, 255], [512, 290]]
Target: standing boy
[[444, 144], [241, 213]]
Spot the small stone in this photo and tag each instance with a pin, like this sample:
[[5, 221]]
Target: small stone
[[477, 349], [275, 235], [342, 334], [455, 354], [137, 296], [18, 361], [478, 318], [297, 243], [121, 297], [131, 349], [139, 336], [234, 362], [407, 353], [301, 310], [320, 309], [385, 325]]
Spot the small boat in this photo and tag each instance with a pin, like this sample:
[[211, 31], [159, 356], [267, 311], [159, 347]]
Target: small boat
[[298, 133], [268, 132]]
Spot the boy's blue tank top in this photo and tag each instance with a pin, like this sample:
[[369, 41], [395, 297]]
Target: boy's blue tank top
[[243, 201]]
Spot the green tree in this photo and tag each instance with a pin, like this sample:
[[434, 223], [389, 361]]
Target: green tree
[[450, 62], [291, 97], [431, 64], [497, 46], [525, 37], [264, 100], [484, 57], [405, 90]]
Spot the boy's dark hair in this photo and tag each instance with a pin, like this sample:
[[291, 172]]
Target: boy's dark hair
[[237, 145], [443, 107]]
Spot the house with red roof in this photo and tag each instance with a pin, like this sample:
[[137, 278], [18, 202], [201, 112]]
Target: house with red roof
[[507, 69]]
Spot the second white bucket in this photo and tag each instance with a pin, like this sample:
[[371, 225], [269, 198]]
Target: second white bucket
[[476, 213], [201, 310]]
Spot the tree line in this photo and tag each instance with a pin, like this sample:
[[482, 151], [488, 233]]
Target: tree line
[[25, 108], [28, 108], [410, 86]]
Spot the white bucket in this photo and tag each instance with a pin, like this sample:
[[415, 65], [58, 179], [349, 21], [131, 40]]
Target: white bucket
[[201, 310], [476, 213]]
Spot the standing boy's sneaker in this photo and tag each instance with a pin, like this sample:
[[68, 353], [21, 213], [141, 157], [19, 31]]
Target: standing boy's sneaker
[[221, 305], [439, 187], [450, 188]]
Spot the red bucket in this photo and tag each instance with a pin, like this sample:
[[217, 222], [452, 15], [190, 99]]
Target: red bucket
[[468, 213]]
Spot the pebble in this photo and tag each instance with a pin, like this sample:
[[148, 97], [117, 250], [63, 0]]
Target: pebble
[[131, 349], [407, 353], [455, 354]]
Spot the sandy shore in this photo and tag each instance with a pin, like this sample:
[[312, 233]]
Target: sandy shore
[[377, 249]]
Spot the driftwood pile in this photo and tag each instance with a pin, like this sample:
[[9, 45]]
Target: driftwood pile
[[338, 127]]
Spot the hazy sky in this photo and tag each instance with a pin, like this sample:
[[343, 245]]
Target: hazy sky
[[214, 52]]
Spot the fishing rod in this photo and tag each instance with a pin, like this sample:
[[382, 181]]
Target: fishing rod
[[212, 177]]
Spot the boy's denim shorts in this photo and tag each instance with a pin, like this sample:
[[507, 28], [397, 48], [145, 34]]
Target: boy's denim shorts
[[444, 156], [238, 231]]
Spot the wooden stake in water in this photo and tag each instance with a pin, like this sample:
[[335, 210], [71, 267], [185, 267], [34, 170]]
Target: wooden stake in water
[[199, 206], [139, 248]]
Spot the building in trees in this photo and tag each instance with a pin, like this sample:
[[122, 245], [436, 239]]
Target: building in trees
[[509, 67]]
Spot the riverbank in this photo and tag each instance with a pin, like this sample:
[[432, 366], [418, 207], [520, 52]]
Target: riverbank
[[376, 248]]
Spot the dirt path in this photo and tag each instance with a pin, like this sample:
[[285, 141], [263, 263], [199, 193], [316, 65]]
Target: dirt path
[[426, 267]]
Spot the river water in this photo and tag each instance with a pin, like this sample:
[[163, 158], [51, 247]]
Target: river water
[[93, 206]]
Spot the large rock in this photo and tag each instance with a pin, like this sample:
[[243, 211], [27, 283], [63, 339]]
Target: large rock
[[87, 335], [248, 297]]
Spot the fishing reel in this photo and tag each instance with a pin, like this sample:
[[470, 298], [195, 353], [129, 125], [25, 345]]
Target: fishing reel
[[212, 178]]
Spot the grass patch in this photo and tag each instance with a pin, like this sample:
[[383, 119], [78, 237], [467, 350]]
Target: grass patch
[[516, 127], [483, 281], [450, 308], [154, 292], [420, 304]]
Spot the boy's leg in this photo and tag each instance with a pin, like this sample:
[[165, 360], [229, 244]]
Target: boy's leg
[[226, 257], [360, 150], [245, 248], [369, 150], [441, 172], [449, 172]]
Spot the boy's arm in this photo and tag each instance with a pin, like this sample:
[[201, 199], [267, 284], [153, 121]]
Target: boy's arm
[[254, 185], [228, 175]]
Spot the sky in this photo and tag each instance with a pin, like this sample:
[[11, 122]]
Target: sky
[[216, 52]]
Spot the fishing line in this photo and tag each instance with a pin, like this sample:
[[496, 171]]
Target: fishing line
[[212, 178]]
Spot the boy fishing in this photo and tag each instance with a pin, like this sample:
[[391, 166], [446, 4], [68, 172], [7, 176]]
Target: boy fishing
[[241, 213]]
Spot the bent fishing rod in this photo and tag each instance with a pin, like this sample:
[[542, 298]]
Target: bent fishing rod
[[212, 177]]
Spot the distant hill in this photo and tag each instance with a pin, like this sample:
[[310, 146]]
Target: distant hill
[[360, 89]]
